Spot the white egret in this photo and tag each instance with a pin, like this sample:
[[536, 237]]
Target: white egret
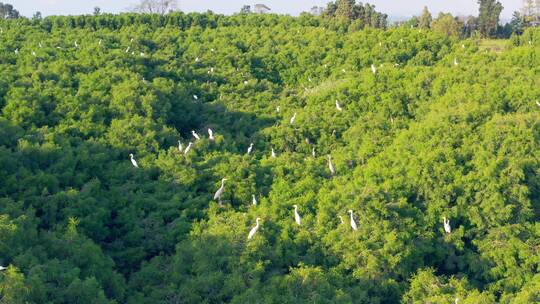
[[293, 118], [250, 148], [133, 161], [353, 223], [313, 151], [99, 43], [40, 45], [3, 268], [373, 69], [338, 106], [180, 148], [273, 153], [343, 70], [254, 229], [245, 82], [142, 54], [16, 51], [277, 109], [446, 224], [463, 46], [253, 199], [33, 53], [197, 137], [538, 103], [297, 218], [455, 61], [76, 44], [210, 134], [197, 59], [127, 50], [331, 166], [190, 144], [219, 192], [195, 97]]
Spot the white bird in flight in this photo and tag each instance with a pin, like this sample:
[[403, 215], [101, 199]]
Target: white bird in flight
[[353, 223], [180, 148], [293, 118], [195, 135], [373, 69], [273, 153], [210, 134], [338, 106], [297, 218], [254, 229], [331, 166], [253, 199], [133, 161], [219, 192], [250, 148], [190, 144], [446, 225]]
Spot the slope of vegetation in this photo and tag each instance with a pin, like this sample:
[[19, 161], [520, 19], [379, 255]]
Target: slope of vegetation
[[442, 129]]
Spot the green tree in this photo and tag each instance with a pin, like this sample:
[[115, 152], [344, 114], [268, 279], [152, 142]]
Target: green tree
[[425, 19], [488, 17], [446, 24]]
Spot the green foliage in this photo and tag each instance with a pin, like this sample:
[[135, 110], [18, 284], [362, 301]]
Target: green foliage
[[441, 129]]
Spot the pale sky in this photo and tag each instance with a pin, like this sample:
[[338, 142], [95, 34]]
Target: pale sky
[[293, 7]]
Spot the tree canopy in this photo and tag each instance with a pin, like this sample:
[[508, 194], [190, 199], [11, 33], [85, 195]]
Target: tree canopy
[[430, 127]]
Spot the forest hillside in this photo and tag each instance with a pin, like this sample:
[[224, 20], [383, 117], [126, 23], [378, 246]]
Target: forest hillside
[[385, 165]]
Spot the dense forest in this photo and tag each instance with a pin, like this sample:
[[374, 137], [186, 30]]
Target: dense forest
[[431, 142]]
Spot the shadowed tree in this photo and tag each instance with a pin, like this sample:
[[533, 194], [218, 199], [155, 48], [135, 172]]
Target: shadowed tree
[[8, 12]]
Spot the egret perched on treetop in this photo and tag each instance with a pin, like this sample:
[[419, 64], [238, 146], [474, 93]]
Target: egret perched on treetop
[[446, 225], [250, 148], [210, 134], [180, 149], [338, 106], [297, 218], [254, 229], [273, 153], [455, 61], [373, 69], [190, 144], [253, 199], [219, 192], [330, 165], [313, 151], [133, 161], [353, 223], [195, 135], [293, 118]]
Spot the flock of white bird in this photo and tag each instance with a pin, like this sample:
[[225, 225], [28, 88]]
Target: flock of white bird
[[219, 192]]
